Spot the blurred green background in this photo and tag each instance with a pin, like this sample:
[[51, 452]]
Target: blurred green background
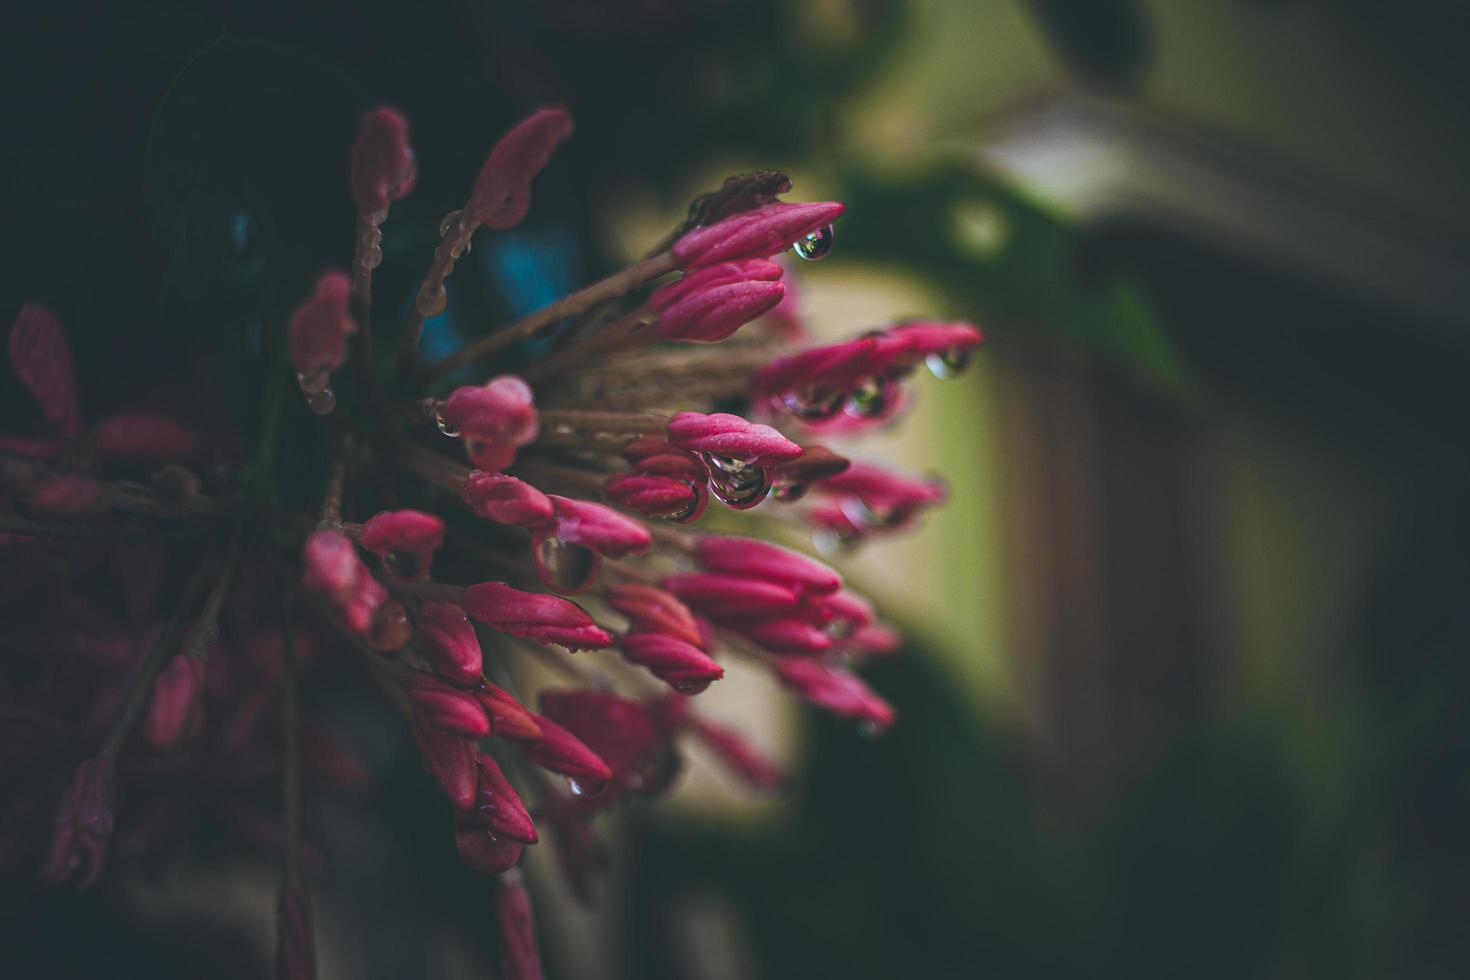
[[1186, 686]]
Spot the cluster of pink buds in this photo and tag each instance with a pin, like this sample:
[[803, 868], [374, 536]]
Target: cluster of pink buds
[[457, 520]]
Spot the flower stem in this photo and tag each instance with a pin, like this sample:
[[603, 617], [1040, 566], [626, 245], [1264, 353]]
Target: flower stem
[[290, 752], [612, 287]]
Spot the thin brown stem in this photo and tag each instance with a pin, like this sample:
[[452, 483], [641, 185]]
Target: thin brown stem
[[362, 299], [331, 511], [619, 335], [612, 287], [581, 420], [455, 232]]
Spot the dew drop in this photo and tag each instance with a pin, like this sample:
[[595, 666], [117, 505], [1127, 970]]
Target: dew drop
[[445, 426], [691, 513], [405, 564], [373, 236], [451, 226], [312, 382], [563, 567], [870, 399], [371, 257], [814, 246], [690, 688], [948, 363], [813, 404], [322, 402], [390, 629], [736, 484], [869, 729], [585, 788], [790, 492], [431, 300]]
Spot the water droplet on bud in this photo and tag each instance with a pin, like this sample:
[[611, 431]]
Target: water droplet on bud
[[390, 629], [314, 381], [580, 787], [869, 729], [371, 257], [445, 426], [562, 567], [451, 226], [870, 399], [814, 246], [690, 688], [948, 363], [431, 300], [813, 404], [790, 492], [736, 484], [322, 402]]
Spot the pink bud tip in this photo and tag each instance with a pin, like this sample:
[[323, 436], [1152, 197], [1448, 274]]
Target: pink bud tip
[[766, 562], [449, 643], [716, 313], [175, 698], [600, 528], [498, 807], [873, 640], [484, 851], [383, 168], [652, 610], [655, 496], [407, 538], [442, 706], [295, 948], [836, 690], [506, 500], [495, 420], [561, 751], [519, 958], [502, 194], [730, 435], [543, 618], [42, 359], [320, 327], [755, 234], [82, 830], [789, 635], [141, 436], [331, 566], [450, 759], [682, 665]]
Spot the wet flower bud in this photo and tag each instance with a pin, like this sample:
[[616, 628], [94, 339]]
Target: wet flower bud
[[543, 618], [442, 706], [506, 500], [406, 539], [495, 420], [836, 690], [732, 436], [175, 698], [754, 234], [519, 958], [767, 562], [498, 807], [508, 717], [561, 751], [449, 643], [652, 610], [787, 635], [600, 528], [726, 598], [383, 168], [320, 327], [502, 193], [680, 664], [450, 759]]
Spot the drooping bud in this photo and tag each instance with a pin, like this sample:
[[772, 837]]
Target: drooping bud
[[727, 435], [498, 807], [836, 690], [495, 419], [450, 759], [506, 500], [876, 499], [621, 731], [737, 754], [543, 618], [143, 436], [508, 717], [42, 359], [682, 665], [723, 274], [754, 234], [449, 642], [319, 330], [502, 194], [383, 167], [561, 751], [788, 635], [405, 539], [711, 304], [483, 850], [82, 830], [732, 598], [655, 496], [174, 700], [600, 528]]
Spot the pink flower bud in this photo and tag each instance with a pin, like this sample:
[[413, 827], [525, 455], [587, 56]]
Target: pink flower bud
[[333, 569], [741, 757], [450, 759], [884, 499], [41, 357], [543, 618], [502, 194], [175, 698], [750, 270], [295, 948], [495, 420], [320, 327], [442, 706], [508, 717], [143, 436], [652, 610], [621, 731], [68, 495], [449, 643], [600, 528], [655, 496], [873, 640], [483, 850], [732, 436], [82, 829], [754, 234], [383, 168], [765, 562], [922, 338], [789, 635], [682, 665], [845, 607], [506, 500], [561, 751], [498, 807], [728, 598], [519, 958], [836, 690], [816, 377], [406, 538]]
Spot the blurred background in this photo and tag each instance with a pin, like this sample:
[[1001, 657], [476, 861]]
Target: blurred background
[[1188, 670]]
